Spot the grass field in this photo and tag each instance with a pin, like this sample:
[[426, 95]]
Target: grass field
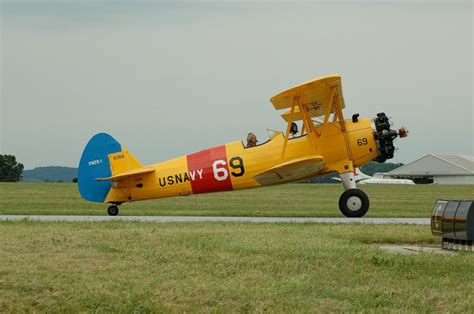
[[291, 200], [226, 267]]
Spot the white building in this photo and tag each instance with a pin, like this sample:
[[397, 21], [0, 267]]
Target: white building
[[441, 169]]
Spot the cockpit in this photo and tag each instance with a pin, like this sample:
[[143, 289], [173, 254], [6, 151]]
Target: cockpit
[[252, 140]]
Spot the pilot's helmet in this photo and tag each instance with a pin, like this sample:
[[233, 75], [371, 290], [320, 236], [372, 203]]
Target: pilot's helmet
[[251, 138], [294, 128]]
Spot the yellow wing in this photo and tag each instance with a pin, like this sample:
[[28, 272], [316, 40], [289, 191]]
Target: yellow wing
[[313, 95], [127, 174], [296, 115], [296, 169]]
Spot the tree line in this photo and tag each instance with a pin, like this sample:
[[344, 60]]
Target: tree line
[[10, 169]]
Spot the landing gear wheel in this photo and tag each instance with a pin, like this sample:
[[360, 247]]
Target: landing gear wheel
[[354, 203], [113, 210]]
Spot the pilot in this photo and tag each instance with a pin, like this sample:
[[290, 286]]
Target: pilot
[[251, 140], [293, 130]]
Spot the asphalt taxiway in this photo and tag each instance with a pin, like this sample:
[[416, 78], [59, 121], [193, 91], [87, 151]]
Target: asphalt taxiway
[[167, 219]]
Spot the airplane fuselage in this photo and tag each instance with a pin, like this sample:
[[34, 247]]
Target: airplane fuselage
[[233, 166], [328, 143]]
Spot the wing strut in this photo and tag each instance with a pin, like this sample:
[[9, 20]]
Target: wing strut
[[287, 133], [308, 125], [307, 122], [327, 114], [305, 105]]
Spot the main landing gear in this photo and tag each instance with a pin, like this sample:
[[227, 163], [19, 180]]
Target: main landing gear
[[113, 210], [353, 202]]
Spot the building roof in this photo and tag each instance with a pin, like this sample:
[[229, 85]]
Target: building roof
[[463, 161], [432, 164]]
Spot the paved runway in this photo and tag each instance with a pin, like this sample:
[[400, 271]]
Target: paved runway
[[165, 219]]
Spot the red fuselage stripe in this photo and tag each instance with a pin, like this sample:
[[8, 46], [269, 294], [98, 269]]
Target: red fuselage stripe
[[210, 169]]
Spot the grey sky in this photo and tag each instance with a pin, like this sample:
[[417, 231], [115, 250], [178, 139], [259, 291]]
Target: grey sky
[[166, 79]]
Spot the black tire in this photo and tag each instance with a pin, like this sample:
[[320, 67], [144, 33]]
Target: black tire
[[113, 210], [354, 203]]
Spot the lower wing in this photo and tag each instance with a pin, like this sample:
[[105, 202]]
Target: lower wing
[[293, 170]]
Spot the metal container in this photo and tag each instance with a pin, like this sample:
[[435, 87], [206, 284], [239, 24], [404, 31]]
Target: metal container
[[437, 217], [454, 222], [448, 219], [464, 221]]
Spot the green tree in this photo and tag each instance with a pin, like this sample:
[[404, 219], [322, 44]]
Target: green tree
[[373, 167], [10, 170]]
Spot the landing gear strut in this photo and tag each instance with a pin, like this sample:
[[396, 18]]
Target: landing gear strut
[[113, 210], [353, 202]]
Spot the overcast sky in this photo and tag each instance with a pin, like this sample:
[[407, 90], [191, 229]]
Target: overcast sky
[[166, 79]]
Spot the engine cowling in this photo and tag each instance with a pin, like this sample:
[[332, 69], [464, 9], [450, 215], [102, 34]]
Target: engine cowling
[[385, 136]]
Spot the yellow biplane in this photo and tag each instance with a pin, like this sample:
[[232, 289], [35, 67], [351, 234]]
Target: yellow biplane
[[327, 143]]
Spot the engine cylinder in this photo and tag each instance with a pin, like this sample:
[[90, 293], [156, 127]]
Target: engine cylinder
[[384, 136]]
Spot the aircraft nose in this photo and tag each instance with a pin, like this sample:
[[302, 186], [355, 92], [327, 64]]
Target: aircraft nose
[[384, 136]]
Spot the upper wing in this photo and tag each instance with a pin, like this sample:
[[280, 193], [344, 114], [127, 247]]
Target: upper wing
[[296, 169], [313, 95]]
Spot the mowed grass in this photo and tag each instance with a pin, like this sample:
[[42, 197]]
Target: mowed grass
[[226, 267], [291, 200]]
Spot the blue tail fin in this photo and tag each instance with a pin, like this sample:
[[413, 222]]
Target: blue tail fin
[[95, 164]]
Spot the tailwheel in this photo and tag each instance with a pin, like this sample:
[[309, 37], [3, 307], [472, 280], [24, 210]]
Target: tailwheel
[[354, 203], [113, 210]]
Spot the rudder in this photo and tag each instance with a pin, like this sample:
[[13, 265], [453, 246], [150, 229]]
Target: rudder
[[95, 164]]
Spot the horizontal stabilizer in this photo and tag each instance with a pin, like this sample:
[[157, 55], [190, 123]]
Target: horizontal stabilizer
[[292, 170], [127, 174]]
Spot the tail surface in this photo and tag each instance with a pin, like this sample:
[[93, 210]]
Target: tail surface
[[95, 164], [359, 175]]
